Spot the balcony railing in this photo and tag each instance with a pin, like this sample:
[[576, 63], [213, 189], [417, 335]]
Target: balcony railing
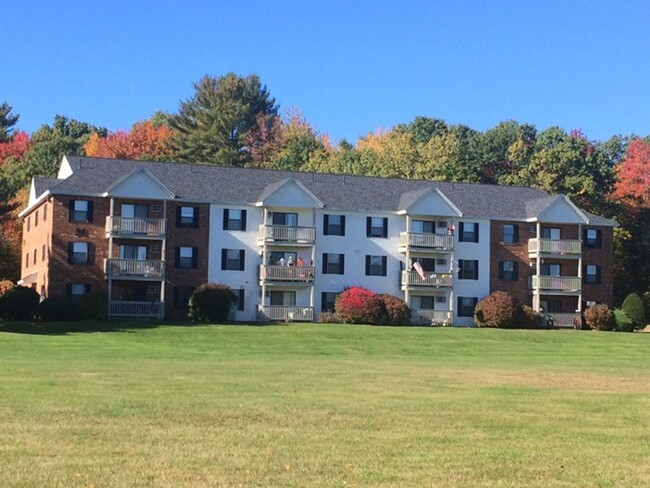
[[134, 268], [560, 319], [286, 234], [556, 283], [127, 226], [285, 312], [550, 246], [426, 241], [430, 279], [300, 274], [431, 317], [136, 309]]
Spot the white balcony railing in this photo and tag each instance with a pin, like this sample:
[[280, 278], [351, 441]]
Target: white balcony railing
[[127, 226], [286, 313], [550, 246], [283, 233], [136, 309], [560, 319], [426, 241], [301, 274], [431, 317], [430, 279], [143, 268], [556, 283]]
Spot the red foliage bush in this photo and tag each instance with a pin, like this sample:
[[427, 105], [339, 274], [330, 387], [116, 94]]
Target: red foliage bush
[[529, 318], [397, 311], [600, 317], [500, 309], [5, 286], [357, 305]]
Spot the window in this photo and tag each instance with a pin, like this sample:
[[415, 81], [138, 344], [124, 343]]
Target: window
[[285, 218], [234, 219], [468, 232], [552, 233], [34, 256], [282, 258], [239, 302], [333, 225], [28, 222], [510, 233], [466, 306], [76, 291], [283, 298], [551, 306], [376, 265], [187, 216], [592, 238], [27, 260], [135, 211], [551, 269], [377, 227], [182, 296], [441, 262], [328, 300], [592, 274], [133, 252], [81, 211], [80, 253], [36, 219], [44, 212], [187, 257], [427, 303], [467, 269], [508, 270], [232, 259], [333, 263], [424, 226], [43, 252]]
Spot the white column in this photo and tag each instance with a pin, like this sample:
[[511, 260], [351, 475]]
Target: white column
[[163, 253], [538, 268], [579, 307], [407, 291]]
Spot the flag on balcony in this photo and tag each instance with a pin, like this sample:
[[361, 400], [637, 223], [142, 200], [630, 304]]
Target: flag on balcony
[[418, 269]]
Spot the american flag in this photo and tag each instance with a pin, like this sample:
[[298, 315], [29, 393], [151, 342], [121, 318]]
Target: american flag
[[418, 269]]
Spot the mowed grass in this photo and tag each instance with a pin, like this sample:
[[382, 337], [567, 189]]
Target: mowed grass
[[324, 405]]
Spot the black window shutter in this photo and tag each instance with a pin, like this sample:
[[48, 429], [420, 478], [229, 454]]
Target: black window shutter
[[226, 215], [385, 231], [342, 225], [240, 299], [474, 302], [326, 223], [195, 257], [87, 288], [501, 270], [598, 274], [384, 265], [196, 217], [342, 263], [178, 216], [90, 211], [459, 303], [242, 255], [243, 220], [461, 229], [68, 290], [70, 252], [516, 233], [176, 297], [460, 269], [90, 247], [323, 301], [324, 263], [476, 269], [515, 270], [70, 210], [224, 258], [367, 265], [599, 238], [368, 226], [585, 233], [476, 226], [177, 257]]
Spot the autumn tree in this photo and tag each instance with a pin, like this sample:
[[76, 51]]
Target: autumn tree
[[144, 141], [213, 125], [8, 122], [633, 176], [14, 148]]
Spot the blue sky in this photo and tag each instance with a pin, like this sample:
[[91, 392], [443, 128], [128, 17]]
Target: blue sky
[[349, 66]]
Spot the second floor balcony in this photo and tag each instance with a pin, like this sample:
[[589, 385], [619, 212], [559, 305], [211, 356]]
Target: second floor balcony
[[285, 234], [425, 242], [436, 280], [287, 274], [135, 227], [557, 248], [135, 269], [556, 284]]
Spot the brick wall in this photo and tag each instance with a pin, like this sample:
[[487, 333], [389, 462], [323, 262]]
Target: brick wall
[[36, 247], [517, 252], [604, 257]]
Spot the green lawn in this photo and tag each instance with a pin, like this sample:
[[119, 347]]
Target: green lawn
[[324, 405]]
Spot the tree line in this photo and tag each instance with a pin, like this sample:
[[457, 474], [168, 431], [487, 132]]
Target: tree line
[[234, 120]]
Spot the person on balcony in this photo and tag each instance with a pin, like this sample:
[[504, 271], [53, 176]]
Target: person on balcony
[[300, 262], [290, 261]]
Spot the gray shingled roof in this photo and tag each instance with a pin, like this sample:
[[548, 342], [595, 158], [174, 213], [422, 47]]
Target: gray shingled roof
[[220, 184]]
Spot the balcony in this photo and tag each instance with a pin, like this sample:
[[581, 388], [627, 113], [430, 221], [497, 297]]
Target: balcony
[[437, 280], [559, 319], [285, 313], [282, 234], [556, 284], [287, 274], [135, 228], [431, 317], [416, 241], [135, 269], [148, 310], [550, 247]]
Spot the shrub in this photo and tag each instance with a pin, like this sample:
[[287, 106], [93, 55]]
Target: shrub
[[579, 322], [5, 286], [211, 302], [328, 318], [500, 309], [92, 306], [529, 318], [646, 303], [19, 303], [599, 317], [397, 311], [357, 305], [56, 309], [622, 322], [635, 309]]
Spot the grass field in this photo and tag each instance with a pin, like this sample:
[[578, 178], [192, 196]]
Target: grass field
[[319, 405]]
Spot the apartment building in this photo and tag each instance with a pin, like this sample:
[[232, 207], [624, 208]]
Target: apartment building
[[146, 234]]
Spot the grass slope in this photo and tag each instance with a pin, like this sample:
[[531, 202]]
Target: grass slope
[[314, 405]]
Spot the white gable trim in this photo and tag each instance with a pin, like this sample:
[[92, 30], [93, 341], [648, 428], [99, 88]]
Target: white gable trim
[[296, 182], [167, 193], [455, 210], [562, 199], [65, 170]]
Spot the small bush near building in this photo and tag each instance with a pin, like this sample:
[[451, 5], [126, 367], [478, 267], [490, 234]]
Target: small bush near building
[[529, 318], [357, 305], [92, 306], [500, 309], [211, 302], [5, 286], [19, 303], [56, 309], [397, 311], [328, 318], [634, 308], [622, 322], [599, 317]]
